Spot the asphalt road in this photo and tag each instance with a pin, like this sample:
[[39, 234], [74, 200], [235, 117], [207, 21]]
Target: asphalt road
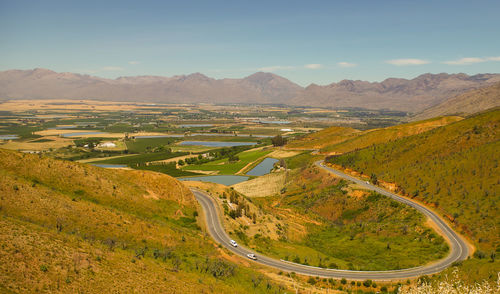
[[458, 247]]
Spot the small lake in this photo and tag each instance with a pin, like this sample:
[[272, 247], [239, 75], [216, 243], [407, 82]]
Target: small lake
[[81, 134], [263, 168], [63, 127], [9, 137], [224, 180], [196, 125], [109, 165], [212, 134], [229, 135], [216, 143], [158, 136], [279, 122]]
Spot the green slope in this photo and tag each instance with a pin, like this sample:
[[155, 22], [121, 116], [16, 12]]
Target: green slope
[[377, 136], [454, 168], [75, 228]]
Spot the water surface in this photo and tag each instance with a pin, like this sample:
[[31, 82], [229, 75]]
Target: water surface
[[279, 122], [63, 127], [9, 137], [158, 136], [263, 168], [195, 125]]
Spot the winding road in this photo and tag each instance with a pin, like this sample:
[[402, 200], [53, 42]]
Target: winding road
[[458, 248]]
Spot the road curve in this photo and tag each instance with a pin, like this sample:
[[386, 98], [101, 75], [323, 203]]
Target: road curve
[[458, 247]]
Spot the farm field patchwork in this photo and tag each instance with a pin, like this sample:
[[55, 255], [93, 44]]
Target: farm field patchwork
[[226, 167]]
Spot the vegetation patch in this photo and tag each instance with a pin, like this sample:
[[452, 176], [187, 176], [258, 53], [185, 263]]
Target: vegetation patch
[[229, 166], [110, 231]]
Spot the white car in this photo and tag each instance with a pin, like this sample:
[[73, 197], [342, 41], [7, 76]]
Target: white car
[[252, 256], [233, 243], [368, 182]]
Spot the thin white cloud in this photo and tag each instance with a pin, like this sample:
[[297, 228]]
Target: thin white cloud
[[346, 64], [465, 61], [134, 62], [313, 66], [276, 68], [408, 61], [112, 68], [496, 58]]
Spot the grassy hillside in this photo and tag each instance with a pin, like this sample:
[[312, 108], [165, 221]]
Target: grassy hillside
[[262, 186], [328, 136], [467, 103], [320, 220], [454, 168], [377, 136], [69, 227]]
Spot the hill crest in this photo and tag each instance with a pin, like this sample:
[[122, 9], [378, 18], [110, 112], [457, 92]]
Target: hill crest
[[411, 95]]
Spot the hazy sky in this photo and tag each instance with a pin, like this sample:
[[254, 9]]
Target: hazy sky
[[305, 41]]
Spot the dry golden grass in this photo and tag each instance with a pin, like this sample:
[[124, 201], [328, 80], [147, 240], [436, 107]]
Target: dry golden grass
[[72, 105], [62, 132], [68, 228], [280, 153], [368, 138], [453, 285], [100, 158], [262, 186], [57, 142], [265, 223], [39, 260], [323, 138]]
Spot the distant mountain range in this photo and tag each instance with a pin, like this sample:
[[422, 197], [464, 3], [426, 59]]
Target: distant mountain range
[[264, 88], [467, 103], [399, 94]]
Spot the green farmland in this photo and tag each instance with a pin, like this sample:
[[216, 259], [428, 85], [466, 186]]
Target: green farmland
[[225, 167]]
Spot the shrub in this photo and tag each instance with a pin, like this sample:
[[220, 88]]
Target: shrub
[[278, 141], [479, 254]]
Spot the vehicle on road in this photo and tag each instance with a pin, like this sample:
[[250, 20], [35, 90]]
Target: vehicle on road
[[233, 243], [252, 256], [368, 183]]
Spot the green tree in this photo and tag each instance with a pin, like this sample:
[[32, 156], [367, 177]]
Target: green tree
[[278, 140]]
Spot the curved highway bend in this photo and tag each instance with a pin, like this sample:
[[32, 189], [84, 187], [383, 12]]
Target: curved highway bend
[[458, 247]]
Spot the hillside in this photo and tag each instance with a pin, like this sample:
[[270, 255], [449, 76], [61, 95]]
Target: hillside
[[323, 138], [465, 104], [335, 140], [397, 94], [412, 95], [69, 227], [321, 220], [453, 168], [327, 222]]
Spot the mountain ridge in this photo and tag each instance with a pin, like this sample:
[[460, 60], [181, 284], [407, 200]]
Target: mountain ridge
[[412, 95], [465, 104], [393, 93]]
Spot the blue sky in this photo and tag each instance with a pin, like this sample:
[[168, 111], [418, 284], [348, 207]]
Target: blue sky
[[305, 41]]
